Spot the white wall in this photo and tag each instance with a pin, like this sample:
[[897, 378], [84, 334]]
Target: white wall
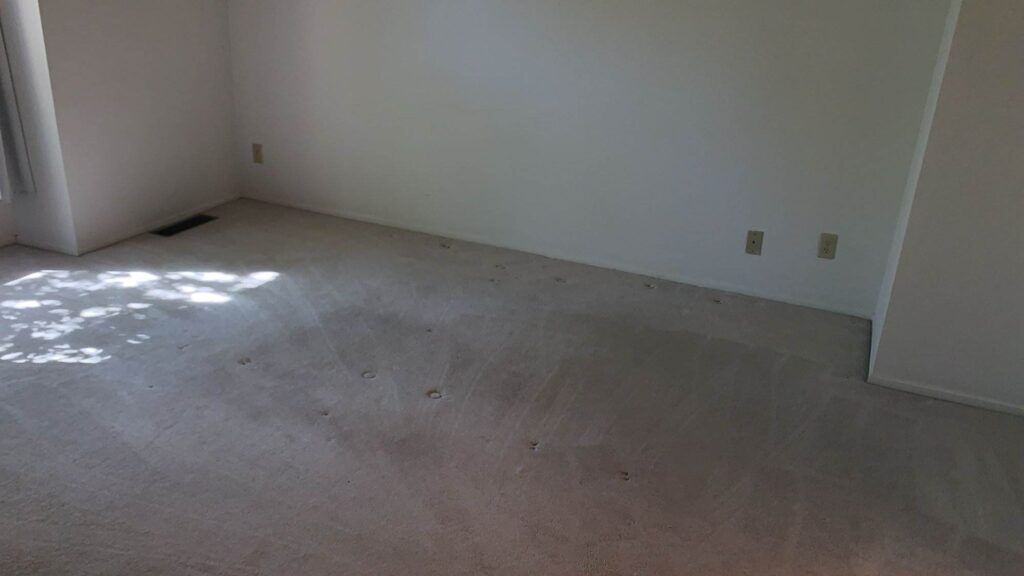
[[6, 224], [955, 324], [645, 136], [143, 103]]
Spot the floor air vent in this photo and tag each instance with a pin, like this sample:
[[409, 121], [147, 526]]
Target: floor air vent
[[186, 224]]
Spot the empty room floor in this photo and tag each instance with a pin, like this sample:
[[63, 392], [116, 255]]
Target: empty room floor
[[280, 392]]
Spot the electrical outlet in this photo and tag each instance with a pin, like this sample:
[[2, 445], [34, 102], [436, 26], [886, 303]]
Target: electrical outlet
[[755, 239], [827, 246], [257, 153]]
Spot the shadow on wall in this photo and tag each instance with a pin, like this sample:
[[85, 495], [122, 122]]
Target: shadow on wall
[[62, 315]]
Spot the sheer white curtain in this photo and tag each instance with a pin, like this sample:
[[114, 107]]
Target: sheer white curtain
[[15, 168]]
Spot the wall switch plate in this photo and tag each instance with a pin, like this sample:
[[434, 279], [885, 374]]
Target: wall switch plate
[[755, 239], [257, 153], [827, 246]]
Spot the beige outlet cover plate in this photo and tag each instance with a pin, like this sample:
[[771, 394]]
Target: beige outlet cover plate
[[827, 246], [257, 153], [755, 240]]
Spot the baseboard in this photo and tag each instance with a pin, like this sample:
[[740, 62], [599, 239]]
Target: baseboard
[[18, 241], [559, 255], [158, 223], [947, 395]]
